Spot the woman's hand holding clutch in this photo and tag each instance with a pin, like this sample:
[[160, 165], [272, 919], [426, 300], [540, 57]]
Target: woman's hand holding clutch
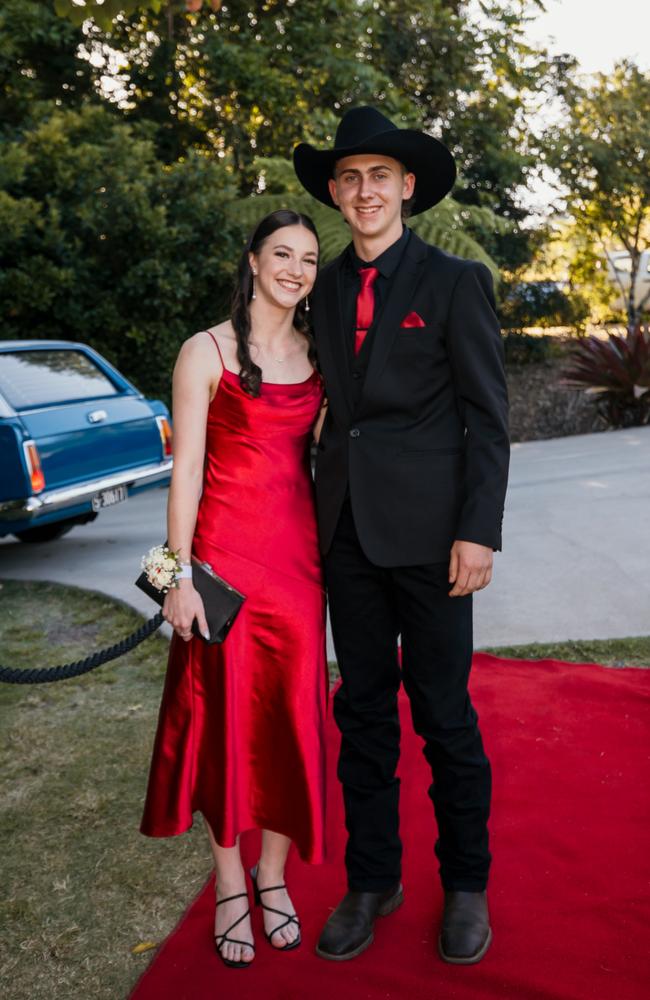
[[182, 605]]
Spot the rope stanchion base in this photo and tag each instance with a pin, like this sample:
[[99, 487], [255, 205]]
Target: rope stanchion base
[[46, 675]]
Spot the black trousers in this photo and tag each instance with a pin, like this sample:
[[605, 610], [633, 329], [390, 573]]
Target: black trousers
[[370, 607]]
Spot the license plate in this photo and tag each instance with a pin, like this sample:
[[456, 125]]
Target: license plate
[[107, 498]]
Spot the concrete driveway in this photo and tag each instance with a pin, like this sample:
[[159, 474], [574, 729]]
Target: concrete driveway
[[574, 566]]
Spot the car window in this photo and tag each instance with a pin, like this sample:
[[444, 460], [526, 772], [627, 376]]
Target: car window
[[38, 378]]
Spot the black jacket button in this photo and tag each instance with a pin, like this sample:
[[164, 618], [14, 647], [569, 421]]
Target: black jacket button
[[355, 432]]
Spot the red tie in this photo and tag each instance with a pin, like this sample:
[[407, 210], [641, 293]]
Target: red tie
[[365, 305]]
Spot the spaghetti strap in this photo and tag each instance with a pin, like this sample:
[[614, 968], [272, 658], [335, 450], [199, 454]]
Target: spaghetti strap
[[217, 347]]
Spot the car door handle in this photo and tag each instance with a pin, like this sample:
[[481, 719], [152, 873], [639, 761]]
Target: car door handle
[[96, 416]]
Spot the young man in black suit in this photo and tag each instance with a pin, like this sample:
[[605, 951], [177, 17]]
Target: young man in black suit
[[410, 482]]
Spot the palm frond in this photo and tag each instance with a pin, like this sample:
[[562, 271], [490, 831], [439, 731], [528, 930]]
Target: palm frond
[[448, 225], [333, 232]]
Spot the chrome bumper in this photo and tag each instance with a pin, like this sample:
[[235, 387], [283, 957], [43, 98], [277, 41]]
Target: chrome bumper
[[68, 496]]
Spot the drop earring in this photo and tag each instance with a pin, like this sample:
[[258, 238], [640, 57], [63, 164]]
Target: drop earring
[[254, 296], [306, 303]]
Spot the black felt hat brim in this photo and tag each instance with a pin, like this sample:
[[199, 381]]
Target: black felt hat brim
[[421, 154]]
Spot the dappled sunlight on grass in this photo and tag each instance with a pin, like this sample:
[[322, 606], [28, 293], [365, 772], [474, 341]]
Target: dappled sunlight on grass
[[82, 886]]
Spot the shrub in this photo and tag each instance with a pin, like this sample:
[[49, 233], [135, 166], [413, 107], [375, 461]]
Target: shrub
[[541, 303], [524, 348], [101, 242], [617, 372]]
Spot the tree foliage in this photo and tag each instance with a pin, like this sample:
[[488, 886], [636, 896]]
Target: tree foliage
[[253, 79], [39, 62], [104, 12], [142, 137], [542, 304], [103, 243], [602, 159]]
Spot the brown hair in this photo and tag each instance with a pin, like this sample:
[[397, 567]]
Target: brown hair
[[250, 374]]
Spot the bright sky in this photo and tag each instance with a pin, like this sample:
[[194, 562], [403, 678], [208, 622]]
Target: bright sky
[[598, 32]]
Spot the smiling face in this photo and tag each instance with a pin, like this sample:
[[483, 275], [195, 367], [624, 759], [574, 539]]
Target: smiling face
[[369, 190], [285, 266]]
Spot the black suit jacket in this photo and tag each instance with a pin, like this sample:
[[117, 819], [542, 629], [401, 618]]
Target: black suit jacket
[[423, 446]]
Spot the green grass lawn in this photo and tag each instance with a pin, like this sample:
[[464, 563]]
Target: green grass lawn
[[631, 652], [82, 886]]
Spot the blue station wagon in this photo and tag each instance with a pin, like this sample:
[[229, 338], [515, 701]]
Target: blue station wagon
[[75, 437]]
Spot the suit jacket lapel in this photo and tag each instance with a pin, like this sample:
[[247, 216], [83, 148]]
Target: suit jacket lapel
[[331, 342], [409, 273]]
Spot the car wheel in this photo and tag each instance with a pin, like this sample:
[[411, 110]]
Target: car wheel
[[46, 532]]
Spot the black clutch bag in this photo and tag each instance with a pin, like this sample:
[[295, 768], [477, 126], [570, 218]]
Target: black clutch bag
[[221, 601]]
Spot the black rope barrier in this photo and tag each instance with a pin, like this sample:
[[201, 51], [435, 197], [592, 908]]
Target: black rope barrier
[[45, 675]]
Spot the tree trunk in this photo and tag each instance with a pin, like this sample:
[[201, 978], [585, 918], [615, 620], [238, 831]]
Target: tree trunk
[[632, 308]]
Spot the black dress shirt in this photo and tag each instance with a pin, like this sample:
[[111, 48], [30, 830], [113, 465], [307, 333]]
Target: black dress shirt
[[386, 264]]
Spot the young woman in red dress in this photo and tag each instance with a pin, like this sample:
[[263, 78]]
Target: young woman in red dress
[[240, 733]]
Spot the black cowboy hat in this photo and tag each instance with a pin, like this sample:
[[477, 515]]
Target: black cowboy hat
[[366, 130]]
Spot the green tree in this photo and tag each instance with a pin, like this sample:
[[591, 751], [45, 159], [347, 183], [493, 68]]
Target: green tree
[[249, 80], [39, 61], [102, 243], [252, 79], [142, 134], [601, 155], [542, 304], [104, 12]]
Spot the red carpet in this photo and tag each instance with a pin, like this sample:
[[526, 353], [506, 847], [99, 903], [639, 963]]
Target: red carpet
[[569, 891]]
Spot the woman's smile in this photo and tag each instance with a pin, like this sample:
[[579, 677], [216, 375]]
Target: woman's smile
[[291, 286]]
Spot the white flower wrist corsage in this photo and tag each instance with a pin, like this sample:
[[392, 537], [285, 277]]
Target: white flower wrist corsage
[[163, 568]]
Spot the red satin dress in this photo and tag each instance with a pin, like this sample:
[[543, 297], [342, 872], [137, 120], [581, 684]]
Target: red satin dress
[[241, 729]]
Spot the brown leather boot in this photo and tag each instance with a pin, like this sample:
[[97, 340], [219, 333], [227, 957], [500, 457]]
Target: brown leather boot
[[466, 934], [349, 930]]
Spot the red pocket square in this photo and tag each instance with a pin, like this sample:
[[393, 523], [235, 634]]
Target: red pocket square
[[412, 320]]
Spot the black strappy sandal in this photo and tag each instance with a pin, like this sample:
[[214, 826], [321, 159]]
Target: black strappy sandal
[[221, 939], [292, 918]]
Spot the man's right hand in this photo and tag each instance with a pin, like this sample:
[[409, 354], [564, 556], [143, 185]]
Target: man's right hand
[[182, 605]]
